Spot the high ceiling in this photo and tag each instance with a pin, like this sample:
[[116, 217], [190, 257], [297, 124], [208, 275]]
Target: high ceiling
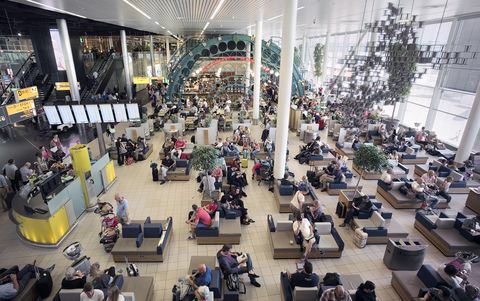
[[189, 17]]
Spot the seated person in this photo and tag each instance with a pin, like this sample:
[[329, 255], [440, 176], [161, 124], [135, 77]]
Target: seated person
[[203, 276], [303, 277], [285, 181], [443, 188], [176, 154], [304, 235], [103, 279], [387, 176], [366, 292], [167, 164], [15, 280], [91, 294], [393, 155], [422, 192], [212, 207], [202, 293], [430, 179], [236, 263], [235, 202], [238, 178], [180, 144], [356, 144], [314, 213], [202, 217], [73, 279], [257, 164], [335, 177], [421, 137], [337, 293], [453, 276], [361, 203], [436, 294]]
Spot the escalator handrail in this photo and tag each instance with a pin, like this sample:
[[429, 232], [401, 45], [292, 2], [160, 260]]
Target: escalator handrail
[[29, 58]]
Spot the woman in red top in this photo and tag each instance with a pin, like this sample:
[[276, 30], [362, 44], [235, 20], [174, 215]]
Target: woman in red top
[[180, 144], [212, 207], [256, 166]]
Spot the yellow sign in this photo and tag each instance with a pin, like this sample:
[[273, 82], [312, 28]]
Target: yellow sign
[[158, 78], [64, 86], [141, 80], [26, 93], [21, 107]]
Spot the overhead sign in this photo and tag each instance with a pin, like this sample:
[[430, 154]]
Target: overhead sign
[[21, 111], [26, 93], [64, 86], [158, 78], [141, 80]]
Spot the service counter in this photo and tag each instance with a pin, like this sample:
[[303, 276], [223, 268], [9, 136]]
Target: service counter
[[57, 216]]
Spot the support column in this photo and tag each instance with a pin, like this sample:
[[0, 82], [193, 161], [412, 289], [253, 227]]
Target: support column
[[101, 139], [304, 50], [402, 108], [285, 86], [323, 77], [70, 70], [257, 63], [110, 42], [178, 44], [152, 58], [471, 131], [126, 66], [167, 47], [248, 65]]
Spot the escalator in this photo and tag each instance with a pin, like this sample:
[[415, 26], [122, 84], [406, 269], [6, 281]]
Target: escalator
[[97, 82], [24, 77]]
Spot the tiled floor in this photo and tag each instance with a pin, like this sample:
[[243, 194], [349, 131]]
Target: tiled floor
[[147, 198]]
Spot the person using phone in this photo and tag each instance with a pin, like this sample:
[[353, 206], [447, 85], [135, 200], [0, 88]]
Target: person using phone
[[202, 277], [304, 277]]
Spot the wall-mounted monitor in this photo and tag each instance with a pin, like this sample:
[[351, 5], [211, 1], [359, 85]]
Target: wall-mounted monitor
[[107, 113], [52, 115], [80, 114], [133, 112], [120, 113], [66, 114], [93, 114]]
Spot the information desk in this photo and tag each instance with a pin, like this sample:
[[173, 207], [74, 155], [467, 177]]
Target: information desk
[[62, 210]]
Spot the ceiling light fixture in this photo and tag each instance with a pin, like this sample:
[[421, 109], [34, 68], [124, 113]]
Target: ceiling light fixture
[[56, 9], [276, 17], [215, 12], [157, 23], [169, 32], [163, 27], [206, 25], [137, 9]]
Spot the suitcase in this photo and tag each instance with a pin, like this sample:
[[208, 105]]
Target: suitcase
[[360, 238], [155, 174], [341, 211], [44, 283], [244, 163]]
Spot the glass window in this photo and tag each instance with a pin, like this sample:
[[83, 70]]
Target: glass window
[[456, 103], [449, 128], [421, 95], [415, 115]]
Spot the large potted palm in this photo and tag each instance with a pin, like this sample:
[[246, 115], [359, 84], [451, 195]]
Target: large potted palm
[[369, 158]]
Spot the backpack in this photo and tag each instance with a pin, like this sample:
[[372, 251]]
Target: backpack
[[331, 279], [44, 284], [180, 290]]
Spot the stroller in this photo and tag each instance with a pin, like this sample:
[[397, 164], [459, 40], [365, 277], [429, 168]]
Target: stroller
[[109, 231]]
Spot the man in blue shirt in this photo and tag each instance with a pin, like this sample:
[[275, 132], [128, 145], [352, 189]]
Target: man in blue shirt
[[305, 277], [122, 209], [13, 281], [202, 277]]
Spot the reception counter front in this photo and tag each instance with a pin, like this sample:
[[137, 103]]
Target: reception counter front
[[46, 223]]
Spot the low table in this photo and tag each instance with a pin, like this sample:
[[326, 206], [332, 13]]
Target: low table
[[473, 201]]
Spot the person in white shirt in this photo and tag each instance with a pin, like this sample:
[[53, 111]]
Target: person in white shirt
[[430, 179], [303, 228], [297, 202], [387, 176], [90, 294], [114, 294], [419, 187]]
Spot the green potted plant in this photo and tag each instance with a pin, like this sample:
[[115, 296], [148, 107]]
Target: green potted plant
[[369, 158], [318, 57], [242, 115], [174, 118], [204, 158], [208, 120]]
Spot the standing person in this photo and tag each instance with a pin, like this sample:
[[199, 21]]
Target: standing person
[[55, 142], [4, 190], [10, 171], [121, 151], [122, 209], [26, 172], [298, 200], [41, 164], [366, 292]]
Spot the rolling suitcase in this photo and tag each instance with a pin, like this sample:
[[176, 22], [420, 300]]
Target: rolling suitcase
[[155, 174], [244, 163], [360, 238]]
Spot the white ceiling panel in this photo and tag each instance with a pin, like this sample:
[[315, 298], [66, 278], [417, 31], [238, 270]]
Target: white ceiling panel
[[188, 17]]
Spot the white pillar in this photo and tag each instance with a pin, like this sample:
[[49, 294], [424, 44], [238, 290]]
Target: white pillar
[[471, 131], [402, 108], [70, 70], [247, 68], [126, 66], [285, 86], [67, 54], [257, 64], [178, 44], [303, 54], [110, 42], [323, 77], [167, 47], [152, 58]]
